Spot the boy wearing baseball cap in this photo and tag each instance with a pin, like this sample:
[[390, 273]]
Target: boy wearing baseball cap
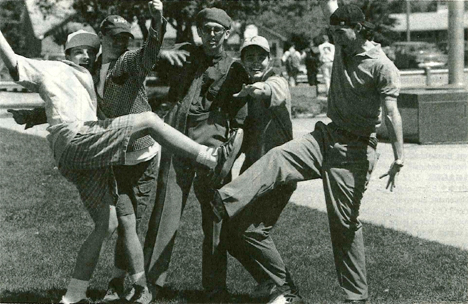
[[341, 153], [85, 148], [268, 125]]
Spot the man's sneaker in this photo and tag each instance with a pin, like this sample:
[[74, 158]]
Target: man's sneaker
[[219, 211], [227, 154], [264, 290], [142, 295], [114, 291], [82, 301], [286, 298]]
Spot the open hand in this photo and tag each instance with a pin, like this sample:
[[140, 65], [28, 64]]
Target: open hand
[[174, 57], [251, 89], [392, 174]]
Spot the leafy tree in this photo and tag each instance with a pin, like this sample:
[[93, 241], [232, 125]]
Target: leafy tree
[[297, 20], [10, 20]]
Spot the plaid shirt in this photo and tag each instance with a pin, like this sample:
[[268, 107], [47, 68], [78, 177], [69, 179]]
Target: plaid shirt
[[124, 89]]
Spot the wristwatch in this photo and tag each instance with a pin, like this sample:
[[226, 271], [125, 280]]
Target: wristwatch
[[399, 163]]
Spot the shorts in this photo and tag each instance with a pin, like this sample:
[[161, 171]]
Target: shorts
[[88, 159], [136, 187]]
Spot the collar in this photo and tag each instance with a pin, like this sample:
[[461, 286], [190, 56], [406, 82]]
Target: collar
[[72, 64], [371, 50], [213, 59]]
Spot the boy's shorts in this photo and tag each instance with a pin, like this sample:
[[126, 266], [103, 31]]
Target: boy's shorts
[[87, 161], [136, 186]]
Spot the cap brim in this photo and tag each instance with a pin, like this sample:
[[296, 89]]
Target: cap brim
[[253, 44], [116, 31]]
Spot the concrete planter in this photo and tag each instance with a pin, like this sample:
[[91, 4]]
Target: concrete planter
[[433, 116]]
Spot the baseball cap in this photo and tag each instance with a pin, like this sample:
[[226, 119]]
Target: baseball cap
[[82, 38], [259, 41], [215, 15], [349, 15], [114, 25]]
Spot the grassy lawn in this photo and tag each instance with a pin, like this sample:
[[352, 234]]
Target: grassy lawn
[[42, 225]]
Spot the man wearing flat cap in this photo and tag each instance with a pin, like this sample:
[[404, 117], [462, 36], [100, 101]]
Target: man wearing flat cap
[[205, 110], [342, 153]]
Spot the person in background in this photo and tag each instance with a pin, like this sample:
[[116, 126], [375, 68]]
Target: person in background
[[327, 53], [292, 60], [312, 63]]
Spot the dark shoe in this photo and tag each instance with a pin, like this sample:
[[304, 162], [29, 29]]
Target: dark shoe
[[156, 291], [219, 211], [114, 291], [227, 154], [142, 295], [218, 296]]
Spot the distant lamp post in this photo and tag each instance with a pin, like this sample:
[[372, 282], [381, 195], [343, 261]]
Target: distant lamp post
[[408, 13], [456, 42]]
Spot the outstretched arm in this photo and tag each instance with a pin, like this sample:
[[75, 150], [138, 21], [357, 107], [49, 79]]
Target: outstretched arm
[[29, 118], [8, 55], [395, 132]]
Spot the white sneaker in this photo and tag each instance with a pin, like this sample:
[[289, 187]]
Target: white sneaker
[[287, 298]]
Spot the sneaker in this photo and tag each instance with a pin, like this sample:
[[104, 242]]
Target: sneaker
[[219, 211], [227, 154], [82, 301], [264, 290], [114, 291], [285, 298], [142, 295], [356, 301]]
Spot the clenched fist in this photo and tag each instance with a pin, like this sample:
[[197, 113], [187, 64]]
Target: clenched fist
[[156, 9]]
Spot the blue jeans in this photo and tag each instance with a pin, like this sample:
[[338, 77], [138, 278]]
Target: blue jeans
[[344, 162]]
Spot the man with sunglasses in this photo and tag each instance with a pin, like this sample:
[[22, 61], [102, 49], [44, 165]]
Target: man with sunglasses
[[343, 154], [205, 110]]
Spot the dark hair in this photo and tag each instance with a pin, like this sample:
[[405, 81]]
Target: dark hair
[[367, 32]]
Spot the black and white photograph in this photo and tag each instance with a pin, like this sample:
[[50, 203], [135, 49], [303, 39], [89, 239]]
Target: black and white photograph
[[234, 151]]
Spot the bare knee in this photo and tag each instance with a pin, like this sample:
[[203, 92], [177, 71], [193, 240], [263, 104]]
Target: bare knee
[[147, 120]]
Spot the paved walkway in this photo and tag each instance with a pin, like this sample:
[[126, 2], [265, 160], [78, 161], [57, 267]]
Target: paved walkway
[[430, 201]]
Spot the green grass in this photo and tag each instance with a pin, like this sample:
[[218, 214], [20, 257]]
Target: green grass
[[42, 225]]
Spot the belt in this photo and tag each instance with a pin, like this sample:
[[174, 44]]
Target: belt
[[370, 140]]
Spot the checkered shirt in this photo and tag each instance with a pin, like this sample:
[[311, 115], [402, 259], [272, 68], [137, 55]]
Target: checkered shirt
[[124, 89]]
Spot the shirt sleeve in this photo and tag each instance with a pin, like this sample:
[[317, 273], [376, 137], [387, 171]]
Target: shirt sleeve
[[388, 80], [279, 91], [140, 62], [30, 72]]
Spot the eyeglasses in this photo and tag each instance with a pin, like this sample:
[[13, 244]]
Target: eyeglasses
[[217, 30]]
